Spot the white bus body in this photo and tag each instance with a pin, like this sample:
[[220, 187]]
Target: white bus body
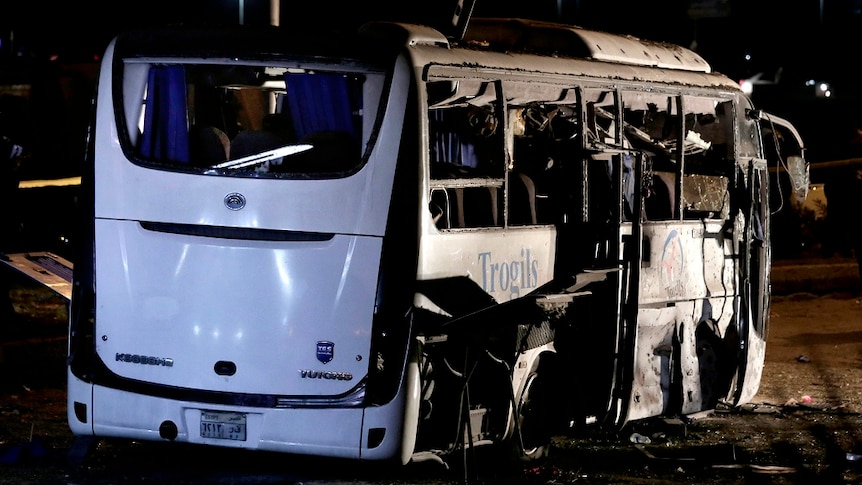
[[400, 245]]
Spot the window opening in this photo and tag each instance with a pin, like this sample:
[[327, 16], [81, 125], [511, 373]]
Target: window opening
[[248, 120], [466, 155]]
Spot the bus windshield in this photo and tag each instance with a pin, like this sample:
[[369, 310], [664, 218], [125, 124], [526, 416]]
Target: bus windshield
[[247, 120]]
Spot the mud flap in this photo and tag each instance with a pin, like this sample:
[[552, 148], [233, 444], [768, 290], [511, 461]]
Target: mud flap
[[80, 449]]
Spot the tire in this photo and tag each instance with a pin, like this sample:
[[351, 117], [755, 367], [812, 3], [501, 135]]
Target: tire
[[532, 438]]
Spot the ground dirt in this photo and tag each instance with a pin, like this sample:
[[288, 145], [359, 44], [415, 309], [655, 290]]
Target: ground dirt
[[804, 425]]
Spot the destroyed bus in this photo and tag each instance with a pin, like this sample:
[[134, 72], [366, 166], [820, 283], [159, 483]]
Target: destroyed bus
[[403, 244]]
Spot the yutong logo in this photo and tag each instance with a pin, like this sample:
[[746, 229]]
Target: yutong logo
[[320, 374], [145, 360], [325, 352]]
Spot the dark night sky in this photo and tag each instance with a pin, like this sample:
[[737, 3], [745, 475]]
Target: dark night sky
[[804, 38], [775, 31], [770, 29]]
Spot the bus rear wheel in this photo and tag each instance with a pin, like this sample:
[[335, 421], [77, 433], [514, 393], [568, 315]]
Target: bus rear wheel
[[532, 438]]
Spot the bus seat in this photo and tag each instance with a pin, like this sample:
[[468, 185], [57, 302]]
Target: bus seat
[[208, 145], [251, 142], [441, 209], [476, 207], [660, 203], [333, 151], [522, 199]]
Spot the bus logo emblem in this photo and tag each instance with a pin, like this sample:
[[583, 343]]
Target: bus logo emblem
[[325, 351], [234, 201]]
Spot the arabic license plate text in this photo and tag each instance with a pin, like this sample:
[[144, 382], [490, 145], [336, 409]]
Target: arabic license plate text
[[223, 426]]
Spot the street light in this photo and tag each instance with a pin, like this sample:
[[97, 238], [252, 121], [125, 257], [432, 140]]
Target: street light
[[821, 89], [274, 12]]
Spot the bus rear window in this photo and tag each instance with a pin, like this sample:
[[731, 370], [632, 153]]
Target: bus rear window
[[228, 119]]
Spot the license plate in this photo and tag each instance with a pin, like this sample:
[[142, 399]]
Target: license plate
[[223, 426]]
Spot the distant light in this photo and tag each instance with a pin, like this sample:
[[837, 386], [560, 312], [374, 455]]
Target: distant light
[[810, 82], [746, 85], [747, 57]]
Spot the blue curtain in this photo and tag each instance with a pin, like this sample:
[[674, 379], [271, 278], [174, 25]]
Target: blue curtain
[[320, 102], [166, 134], [447, 145]]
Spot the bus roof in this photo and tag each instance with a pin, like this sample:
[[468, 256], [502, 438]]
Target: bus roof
[[509, 44], [562, 40]]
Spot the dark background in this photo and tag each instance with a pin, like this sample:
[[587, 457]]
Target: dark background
[[53, 47]]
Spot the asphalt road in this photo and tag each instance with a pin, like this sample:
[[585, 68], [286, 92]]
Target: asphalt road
[[802, 427]]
